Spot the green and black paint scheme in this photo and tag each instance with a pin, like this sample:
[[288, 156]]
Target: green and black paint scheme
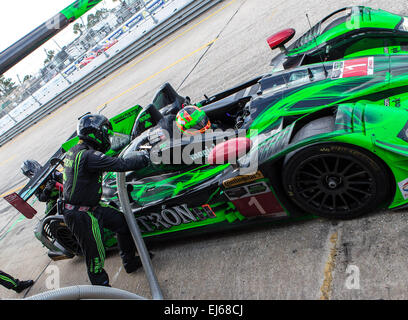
[[330, 139], [349, 31], [33, 40], [354, 120], [51, 229]]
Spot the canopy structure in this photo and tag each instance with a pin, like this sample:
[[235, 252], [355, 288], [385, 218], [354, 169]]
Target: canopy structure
[[33, 40]]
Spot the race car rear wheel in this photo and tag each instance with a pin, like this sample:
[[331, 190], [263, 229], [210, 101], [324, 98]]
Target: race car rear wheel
[[338, 181], [64, 236]]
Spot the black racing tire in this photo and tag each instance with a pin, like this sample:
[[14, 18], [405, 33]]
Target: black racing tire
[[64, 236], [375, 194], [336, 180], [315, 127]]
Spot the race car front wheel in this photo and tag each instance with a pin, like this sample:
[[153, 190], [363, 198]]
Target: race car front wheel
[[338, 181]]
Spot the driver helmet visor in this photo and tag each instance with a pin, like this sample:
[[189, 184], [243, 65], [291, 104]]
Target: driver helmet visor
[[196, 122]]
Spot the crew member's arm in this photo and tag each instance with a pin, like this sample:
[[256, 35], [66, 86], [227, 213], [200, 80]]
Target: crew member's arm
[[97, 161], [45, 194]]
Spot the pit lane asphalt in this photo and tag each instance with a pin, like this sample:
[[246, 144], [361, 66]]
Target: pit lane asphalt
[[315, 259]]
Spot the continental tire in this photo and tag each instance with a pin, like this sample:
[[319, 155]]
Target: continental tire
[[335, 180]]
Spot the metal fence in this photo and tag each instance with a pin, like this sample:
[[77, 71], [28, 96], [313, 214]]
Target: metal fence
[[143, 43]]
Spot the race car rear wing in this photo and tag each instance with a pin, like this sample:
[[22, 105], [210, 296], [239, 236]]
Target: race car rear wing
[[19, 200], [42, 176], [22, 206]]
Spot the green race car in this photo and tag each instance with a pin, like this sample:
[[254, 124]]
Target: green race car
[[351, 31], [326, 139]]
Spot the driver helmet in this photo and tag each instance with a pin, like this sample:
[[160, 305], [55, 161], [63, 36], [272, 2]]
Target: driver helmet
[[192, 120], [95, 129], [30, 168]]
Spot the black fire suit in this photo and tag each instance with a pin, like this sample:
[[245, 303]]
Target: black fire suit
[[10, 282], [83, 214]]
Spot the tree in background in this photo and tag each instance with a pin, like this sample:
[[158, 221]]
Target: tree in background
[[93, 19], [50, 56], [27, 77], [78, 28], [6, 86]]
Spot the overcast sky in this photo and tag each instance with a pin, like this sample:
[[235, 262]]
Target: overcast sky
[[19, 17]]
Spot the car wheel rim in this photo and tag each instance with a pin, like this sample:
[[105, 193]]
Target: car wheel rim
[[333, 183]]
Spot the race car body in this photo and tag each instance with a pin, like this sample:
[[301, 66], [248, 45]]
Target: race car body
[[351, 31], [327, 139]]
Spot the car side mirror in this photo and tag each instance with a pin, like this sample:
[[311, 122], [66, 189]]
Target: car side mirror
[[279, 39]]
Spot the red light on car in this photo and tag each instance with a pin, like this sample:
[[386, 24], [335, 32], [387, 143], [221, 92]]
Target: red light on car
[[279, 39], [59, 186], [229, 151]]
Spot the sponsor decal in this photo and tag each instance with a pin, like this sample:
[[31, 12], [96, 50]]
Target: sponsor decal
[[174, 216], [134, 21], [116, 35], [256, 199], [156, 5], [353, 68], [242, 179], [126, 115], [247, 190], [202, 154], [403, 186]]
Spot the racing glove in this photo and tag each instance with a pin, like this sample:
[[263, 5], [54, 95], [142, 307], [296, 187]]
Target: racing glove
[[45, 194], [50, 185], [137, 159]]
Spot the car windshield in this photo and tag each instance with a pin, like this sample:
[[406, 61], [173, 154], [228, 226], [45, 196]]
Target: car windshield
[[335, 19], [323, 26], [295, 78], [306, 75]]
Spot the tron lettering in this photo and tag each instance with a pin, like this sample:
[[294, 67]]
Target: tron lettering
[[171, 217], [185, 213], [175, 216]]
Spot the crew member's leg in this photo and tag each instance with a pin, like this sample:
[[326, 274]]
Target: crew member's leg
[[9, 282], [88, 231], [115, 221]]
